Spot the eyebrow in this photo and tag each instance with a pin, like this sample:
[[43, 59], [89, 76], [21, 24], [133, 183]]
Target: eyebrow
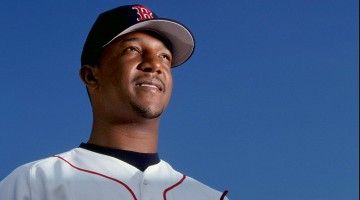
[[165, 43], [132, 40]]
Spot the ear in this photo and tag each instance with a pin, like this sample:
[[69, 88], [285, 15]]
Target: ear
[[88, 76]]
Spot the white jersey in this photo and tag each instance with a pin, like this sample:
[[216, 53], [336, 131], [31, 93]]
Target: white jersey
[[83, 174]]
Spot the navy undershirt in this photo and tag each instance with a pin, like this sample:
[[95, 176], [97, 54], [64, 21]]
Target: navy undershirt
[[136, 159]]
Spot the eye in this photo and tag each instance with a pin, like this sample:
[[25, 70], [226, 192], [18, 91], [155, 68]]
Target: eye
[[166, 57], [132, 49]]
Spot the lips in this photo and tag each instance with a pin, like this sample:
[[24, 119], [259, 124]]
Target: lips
[[150, 83]]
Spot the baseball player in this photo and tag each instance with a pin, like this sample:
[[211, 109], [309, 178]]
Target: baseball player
[[126, 67]]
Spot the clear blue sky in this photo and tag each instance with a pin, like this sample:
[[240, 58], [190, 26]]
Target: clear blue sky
[[267, 107]]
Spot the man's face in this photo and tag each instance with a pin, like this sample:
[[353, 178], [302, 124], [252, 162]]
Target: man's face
[[134, 77]]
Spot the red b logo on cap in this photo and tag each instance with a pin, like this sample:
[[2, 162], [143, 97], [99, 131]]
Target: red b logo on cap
[[143, 12]]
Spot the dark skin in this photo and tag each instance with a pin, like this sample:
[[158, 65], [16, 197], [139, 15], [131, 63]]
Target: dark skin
[[129, 89]]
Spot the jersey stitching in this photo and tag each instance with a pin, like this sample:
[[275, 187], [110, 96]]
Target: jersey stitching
[[99, 174], [173, 186]]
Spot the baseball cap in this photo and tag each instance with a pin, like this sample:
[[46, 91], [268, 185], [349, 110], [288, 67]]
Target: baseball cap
[[125, 19]]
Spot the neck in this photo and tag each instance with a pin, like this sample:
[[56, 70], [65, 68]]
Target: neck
[[137, 136]]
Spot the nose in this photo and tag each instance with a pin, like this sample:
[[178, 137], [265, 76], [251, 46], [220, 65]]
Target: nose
[[152, 64]]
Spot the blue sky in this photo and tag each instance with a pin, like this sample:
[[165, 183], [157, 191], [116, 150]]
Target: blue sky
[[267, 107]]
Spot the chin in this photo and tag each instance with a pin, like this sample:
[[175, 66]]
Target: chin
[[151, 115], [147, 112]]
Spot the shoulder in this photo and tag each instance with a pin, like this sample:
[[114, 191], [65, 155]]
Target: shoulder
[[201, 190], [192, 188], [28, 169], [26, 177], [43, 164]]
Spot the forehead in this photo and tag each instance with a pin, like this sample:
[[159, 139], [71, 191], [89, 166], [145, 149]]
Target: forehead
[[143, 36]]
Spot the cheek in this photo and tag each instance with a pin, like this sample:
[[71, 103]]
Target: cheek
[[169, 86], [169, 80], [119, 73], [116, 82]]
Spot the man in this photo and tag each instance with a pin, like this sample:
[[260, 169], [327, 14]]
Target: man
[[126, 67]]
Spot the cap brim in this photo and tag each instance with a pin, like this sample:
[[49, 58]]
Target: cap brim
[[180, 37]]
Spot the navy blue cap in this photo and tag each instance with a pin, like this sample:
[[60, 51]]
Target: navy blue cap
[[125, 19]]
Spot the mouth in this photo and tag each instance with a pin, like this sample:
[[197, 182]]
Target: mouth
[[150, 83]]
